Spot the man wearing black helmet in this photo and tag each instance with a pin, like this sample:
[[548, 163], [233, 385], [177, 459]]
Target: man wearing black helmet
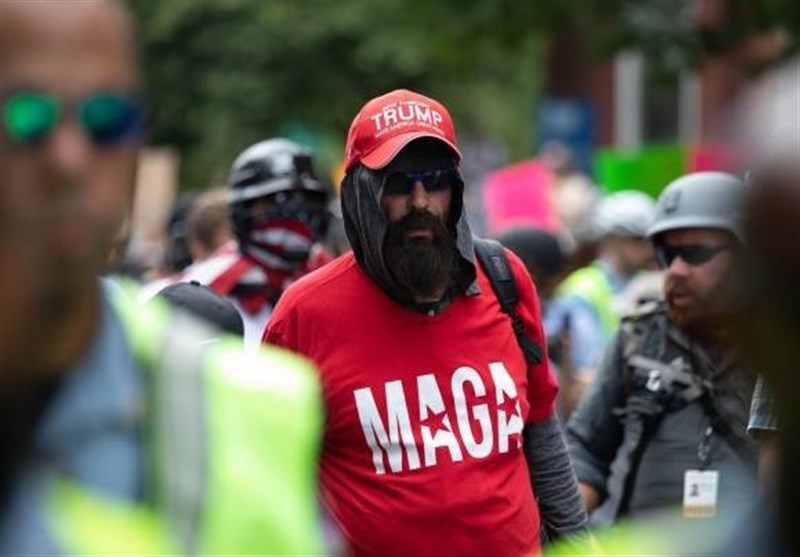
[[670, 404], [430, 399], [278, 211]]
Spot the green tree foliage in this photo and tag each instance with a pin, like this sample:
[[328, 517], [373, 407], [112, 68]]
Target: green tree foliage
[[222, 74]]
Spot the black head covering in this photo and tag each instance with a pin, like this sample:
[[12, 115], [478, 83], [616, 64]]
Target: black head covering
[[365, 222], [538, 249]]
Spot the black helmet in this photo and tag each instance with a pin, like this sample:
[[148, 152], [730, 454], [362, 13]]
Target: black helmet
[[206, 304], [282, 173], [539, 250]]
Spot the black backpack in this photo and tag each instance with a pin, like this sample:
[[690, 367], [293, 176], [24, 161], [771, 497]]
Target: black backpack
[[494, 263]]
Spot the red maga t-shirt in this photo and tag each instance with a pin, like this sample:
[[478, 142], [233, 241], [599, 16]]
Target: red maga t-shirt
[[422, 453]]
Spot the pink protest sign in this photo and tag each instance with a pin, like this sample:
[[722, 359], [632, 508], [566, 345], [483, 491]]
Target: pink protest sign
[[716, 156], [520, 195]]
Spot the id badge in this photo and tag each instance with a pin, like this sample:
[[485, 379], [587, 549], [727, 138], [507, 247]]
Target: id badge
[[700, 493]]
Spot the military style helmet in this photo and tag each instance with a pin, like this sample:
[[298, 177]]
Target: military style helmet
[[281, 172], [272, 166], [624, 213], [700, 200]]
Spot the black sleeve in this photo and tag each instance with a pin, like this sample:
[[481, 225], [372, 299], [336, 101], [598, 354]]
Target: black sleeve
[[594, 433], [560, 503]]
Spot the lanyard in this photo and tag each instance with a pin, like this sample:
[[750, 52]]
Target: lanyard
[[704, 448]]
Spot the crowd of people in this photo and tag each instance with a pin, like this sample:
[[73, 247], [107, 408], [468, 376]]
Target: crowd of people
[[421, 392]]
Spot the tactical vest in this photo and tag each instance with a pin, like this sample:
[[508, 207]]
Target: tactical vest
[[591, 284], [653, 387], [231, 439]]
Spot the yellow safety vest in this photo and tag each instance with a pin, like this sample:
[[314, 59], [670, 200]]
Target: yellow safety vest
[[591, 284], [232, 439]]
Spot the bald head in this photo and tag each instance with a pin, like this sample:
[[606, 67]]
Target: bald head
[[36, 33], [64, 190]]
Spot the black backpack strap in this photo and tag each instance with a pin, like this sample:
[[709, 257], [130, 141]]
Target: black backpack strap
[[640, 416], [494, 263], [746, 450]]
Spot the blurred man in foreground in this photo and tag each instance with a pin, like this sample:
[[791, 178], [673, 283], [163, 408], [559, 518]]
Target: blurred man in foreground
[[769, 122], [110, 414]]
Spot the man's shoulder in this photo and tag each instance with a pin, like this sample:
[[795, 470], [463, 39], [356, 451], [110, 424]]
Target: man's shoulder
[[646, 312], [209, 269], [585, 278], [147, 329], [268, 368], [204, 272], [641, 329], [515, 261], [320, 285]]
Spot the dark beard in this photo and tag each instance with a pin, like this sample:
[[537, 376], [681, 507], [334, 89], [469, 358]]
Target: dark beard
[[423, 266], [709, 331], [707, 319]]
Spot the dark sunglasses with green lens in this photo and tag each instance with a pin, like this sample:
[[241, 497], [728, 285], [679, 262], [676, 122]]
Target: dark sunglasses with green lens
[[107, 118]]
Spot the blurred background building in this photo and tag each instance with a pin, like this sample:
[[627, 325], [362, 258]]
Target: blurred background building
[[622, 94]]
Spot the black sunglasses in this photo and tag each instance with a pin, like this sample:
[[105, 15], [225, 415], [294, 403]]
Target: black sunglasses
[[402, 183], [693, 255], [107, 118]]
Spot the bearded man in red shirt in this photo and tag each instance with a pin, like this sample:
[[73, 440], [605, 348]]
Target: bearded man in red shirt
[[440, 439]]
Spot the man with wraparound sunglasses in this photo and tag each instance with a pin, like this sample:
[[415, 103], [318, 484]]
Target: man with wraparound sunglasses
[[429, 397], [124, 431], [669, 407]]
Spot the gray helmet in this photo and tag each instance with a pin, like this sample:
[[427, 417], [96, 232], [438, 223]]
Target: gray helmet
[[700, 200], [624, 213]]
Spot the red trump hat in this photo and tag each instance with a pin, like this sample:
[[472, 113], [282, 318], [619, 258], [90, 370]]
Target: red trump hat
[[388, 123]]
